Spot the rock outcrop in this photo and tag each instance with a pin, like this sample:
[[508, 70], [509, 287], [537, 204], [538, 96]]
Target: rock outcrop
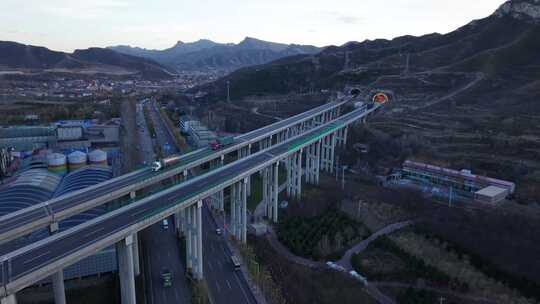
[[520, 9]]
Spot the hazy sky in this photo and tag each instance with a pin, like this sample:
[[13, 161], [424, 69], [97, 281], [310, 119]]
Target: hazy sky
[[70, 24]]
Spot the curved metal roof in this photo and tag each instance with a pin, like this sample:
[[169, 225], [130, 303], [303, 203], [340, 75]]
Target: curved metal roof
[[30, 187], [79, 179], [84, 177], [34, 186]]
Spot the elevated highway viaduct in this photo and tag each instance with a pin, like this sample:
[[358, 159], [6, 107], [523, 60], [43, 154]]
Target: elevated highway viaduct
[[49, 256]]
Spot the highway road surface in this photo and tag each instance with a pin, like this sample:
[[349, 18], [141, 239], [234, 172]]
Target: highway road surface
[[39, 215], [226, 284], [77, 241], [160, 245]]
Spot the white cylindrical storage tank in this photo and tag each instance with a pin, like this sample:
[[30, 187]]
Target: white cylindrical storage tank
[[76, 160], [56, 163], [98, 157]]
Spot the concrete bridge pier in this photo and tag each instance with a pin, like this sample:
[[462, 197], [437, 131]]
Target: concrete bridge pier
[[11, 299], [124, 250], [317, 120], [271, 191], [249, 177], [332, 151], [328, 153], [220, 197], [194, 240], [288, 162], [217, 198], [245, 152], [59, 290], [274, 193], [313, 153], [343, 138], [294, 175], [243, 210], [189, 236], [239, 210], [57, 278], [136, 266], [324, 145], [179, 222], [265, 143], [266, 190]]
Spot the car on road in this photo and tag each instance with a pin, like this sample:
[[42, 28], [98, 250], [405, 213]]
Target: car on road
[[218, 231], [165, 224], [166, 278]]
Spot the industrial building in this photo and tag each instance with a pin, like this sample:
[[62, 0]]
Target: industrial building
[[62, 135], [460, 184], [46, 176], [198, 134], [27, 138]]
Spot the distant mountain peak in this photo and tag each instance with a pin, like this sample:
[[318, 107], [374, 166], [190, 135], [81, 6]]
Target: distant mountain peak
[[252, 41], [520, 9]]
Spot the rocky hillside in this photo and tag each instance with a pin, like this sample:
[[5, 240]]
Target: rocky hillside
[[16, 56], [206, 54], [469, 98]]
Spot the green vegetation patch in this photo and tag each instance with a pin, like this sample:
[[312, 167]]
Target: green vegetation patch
[[320, 236], [383, 260]]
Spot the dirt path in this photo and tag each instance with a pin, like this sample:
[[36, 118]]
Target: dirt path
[[345, 261], [478, 77], [372, 290]]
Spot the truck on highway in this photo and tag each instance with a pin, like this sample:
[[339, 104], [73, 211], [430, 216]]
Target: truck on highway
[[164, 162], [221, 142], [166, 278], [236, 262]]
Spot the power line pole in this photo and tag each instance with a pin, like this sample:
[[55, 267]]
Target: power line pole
[[450, 197], [342, 177], [228, 91]]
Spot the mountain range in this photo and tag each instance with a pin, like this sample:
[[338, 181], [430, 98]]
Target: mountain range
[[27, 58], [466, 99], [504, 45], [206, 54]]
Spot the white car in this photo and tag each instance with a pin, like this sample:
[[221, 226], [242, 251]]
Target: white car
[[359, 277]]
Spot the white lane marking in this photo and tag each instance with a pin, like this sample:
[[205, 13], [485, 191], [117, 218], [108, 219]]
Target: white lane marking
[[36, 257], [139, 212], [147, 250], [94, 231], [228, 284], [241, 287], [217, 286]]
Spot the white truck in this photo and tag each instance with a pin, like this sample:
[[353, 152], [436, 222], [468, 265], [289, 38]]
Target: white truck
[[164, 162]]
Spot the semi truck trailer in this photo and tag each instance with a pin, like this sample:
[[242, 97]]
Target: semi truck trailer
[[165, 162]]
